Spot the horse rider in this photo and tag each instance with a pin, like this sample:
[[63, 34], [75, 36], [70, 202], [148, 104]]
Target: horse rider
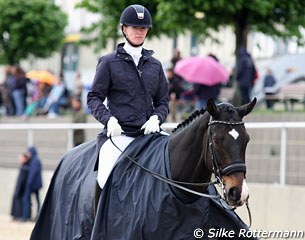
[[132, 84]]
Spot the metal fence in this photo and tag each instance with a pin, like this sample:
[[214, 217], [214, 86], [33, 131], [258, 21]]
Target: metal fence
[[275, 155]]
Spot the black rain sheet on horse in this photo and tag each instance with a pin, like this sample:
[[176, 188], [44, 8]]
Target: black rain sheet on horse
[[136, 205], [67, 211], [133, 204]]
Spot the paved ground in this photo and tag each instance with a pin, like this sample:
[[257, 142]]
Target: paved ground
[[11, 230]]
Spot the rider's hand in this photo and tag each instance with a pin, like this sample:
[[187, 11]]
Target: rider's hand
[[113, 127], [152, 125]]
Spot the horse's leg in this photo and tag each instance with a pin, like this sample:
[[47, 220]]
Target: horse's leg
[[97, 194]]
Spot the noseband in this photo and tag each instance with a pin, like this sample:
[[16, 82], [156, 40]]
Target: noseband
[[229, 168]]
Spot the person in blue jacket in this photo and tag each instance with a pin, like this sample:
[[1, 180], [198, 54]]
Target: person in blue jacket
[[245, 74], [33, 183], [17, 206], [133, 85]]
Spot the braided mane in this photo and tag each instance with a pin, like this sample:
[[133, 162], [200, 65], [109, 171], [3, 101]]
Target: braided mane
[[187, 121]]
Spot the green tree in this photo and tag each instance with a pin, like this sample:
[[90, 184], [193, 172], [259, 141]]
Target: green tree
[[278, 18], [31, 27]]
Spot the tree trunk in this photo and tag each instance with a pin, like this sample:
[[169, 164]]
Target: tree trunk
[[241, 35], [241, 32]]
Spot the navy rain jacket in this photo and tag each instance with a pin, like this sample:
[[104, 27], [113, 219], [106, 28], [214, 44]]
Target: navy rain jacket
[[34, 181], [245, 69], [134, 93]]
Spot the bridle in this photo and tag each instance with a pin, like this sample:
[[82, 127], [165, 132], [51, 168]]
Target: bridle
[[229, 168], [219, 173]]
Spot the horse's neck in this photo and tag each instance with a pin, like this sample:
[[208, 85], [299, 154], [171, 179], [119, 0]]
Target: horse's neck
[[187, 152]]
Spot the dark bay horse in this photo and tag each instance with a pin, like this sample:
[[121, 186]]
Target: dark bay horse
[[135, 204], [221, 136]]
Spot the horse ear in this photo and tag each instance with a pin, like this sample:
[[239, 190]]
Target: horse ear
[[212, 108], [246, 109]]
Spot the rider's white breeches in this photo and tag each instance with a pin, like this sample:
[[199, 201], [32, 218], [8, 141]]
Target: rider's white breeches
[[109, 155]]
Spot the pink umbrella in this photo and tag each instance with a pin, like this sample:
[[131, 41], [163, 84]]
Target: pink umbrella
[[203, 70]]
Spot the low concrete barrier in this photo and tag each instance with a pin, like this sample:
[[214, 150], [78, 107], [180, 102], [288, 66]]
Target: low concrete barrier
[[274, 207]]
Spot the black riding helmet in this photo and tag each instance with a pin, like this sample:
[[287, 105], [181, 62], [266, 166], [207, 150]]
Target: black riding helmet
[[137, 16]]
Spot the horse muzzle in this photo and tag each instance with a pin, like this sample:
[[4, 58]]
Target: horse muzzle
[[236, 191]]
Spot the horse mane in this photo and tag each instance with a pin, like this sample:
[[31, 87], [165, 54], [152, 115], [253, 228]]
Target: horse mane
[[190, 119]]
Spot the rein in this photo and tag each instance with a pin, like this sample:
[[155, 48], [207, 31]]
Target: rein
[[174, 183]]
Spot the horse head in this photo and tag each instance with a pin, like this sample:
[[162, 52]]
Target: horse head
[[228, 139]]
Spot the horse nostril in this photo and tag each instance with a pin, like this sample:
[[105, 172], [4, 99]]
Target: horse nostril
[[234, 194]]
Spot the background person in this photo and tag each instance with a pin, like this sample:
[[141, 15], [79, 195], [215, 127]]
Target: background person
[[33, 183], [78, 116], [19, 90], [175, 90], [6, 101], [17, 205], [269, 82], [245, 75], [10, 83], [204, 92], [79, 86], [176, 57], [57, 97], [38, 94]]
